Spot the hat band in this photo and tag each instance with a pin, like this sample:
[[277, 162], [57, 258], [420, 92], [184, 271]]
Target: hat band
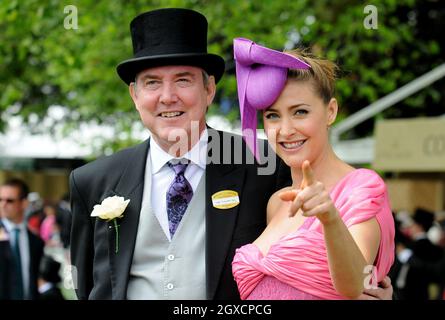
[[168, 50]]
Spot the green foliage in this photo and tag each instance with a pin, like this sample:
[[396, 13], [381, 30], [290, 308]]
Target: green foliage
[[44, 64]]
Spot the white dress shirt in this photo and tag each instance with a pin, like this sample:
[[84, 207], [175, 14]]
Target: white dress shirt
[[24, 249], [162, 176]]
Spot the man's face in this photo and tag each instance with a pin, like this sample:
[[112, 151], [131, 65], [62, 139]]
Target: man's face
[[12, 207], [169, 99]]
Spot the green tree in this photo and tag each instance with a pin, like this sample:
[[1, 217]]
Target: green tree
[[43, 63]]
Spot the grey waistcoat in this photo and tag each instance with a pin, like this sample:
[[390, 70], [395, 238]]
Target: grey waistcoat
[[170, 270]]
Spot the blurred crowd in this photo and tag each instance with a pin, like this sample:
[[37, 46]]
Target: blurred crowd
[[50, 220], [34, 244], [418, 272]]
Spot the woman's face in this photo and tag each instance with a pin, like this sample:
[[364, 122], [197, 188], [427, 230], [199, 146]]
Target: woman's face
[[297, 123]]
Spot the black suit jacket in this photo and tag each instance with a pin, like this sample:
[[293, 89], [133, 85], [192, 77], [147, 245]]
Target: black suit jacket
[[7, 268], [102, 274], [417, 279], [53, 294]]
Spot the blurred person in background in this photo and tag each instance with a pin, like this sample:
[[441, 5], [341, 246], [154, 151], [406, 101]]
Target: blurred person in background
[[34, 214], [20, 249], [63, 219], [401, 241], [49, 229], [434, 270], [49, 279], [413, 282]]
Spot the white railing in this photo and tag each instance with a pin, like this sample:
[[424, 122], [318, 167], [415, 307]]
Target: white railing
[[387, 101]]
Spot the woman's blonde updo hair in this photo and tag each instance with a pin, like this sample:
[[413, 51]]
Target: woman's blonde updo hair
[[322, 73]]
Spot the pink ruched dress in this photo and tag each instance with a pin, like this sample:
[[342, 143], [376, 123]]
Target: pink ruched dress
[[296, 267]]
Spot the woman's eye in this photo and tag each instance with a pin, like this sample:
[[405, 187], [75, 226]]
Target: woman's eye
[[271, 116], [301, 112]]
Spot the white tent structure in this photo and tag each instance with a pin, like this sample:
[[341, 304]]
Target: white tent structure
[[19, 143]]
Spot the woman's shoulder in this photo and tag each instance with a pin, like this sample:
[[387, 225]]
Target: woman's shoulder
[[366, 172], [276, 195], [363, 177], [275, 202], [358, 185]]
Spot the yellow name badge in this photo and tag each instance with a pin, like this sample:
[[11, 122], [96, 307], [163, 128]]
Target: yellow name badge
[[225, 199]]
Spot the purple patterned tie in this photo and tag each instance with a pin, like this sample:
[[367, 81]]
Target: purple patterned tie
[[179, 195]]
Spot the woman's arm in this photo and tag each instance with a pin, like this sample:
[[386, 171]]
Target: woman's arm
[[348, 251]]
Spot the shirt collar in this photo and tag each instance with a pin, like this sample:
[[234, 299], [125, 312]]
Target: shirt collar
[[45, 287], [11, 226], [197, 155]]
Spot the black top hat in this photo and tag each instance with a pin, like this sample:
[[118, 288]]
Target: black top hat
[[170, 36], [49, 269], [424, 218]]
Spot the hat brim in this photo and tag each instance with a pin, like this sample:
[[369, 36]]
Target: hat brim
[[211, 63]]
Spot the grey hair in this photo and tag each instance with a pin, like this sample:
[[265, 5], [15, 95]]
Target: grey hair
[[205, 78]]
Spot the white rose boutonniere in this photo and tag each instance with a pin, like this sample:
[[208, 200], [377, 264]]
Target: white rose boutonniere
[[110, 209]]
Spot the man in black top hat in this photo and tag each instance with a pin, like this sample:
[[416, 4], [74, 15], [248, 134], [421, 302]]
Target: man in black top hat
[[413, 282], [177, 235], [154, 253], [49, 279]]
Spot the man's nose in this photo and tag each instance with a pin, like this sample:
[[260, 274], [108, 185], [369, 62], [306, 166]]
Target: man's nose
[[168, 94]]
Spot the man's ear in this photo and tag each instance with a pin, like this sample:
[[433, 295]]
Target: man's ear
[[211, 90], [332, 111]]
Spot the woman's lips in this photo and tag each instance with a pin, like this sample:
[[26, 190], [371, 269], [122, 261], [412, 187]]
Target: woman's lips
[[292, 145]]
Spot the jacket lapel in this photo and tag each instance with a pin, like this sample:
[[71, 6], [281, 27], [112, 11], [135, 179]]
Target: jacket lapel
[[220, 223], [130, 186]]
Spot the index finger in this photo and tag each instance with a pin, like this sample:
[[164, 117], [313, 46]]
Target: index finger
[[308, 174]]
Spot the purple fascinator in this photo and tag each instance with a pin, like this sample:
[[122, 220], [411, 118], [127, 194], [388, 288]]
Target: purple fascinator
[[261, 74]]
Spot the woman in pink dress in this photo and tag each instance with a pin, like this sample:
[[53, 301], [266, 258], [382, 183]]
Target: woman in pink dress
[[331, 234]]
